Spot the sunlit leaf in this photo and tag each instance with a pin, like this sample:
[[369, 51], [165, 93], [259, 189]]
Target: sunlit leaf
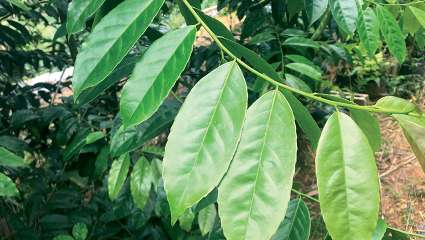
[[118, 175], [368, 29], [140, 182], [345, 14]]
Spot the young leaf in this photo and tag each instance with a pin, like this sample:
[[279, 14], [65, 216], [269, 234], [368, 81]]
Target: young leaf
[[117, 175], [203, 137], [368, 29], [345, 14], [155, 75], [140, 182], [9, 159], [254, 194], [395, 104], [419, 14], [392, 33], [111, 40], [302, 115], [315, 9], [206, 219], [297, 223], [7, 187], [78, 13], [347, 180], [414, 131]]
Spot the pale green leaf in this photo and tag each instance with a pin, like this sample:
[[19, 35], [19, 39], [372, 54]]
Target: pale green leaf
[[297, 223], [206, 219], [254, 194], [118, 175], [419, 14], [395, 104], [370, 127], [347, 180], [380, 230], [7, 187], [410, 22], [140, 182], [78, 13], [345, 14], [9, 159], [111, 40], [392, 33], [155, 74], [368, 29], [305, 70], [414, 131], [315, 9], [186, 220], [203, 137], [94, 136]]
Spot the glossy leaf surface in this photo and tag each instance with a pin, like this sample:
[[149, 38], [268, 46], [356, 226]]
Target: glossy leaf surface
[[315, 9], [254, 194], [392, 33], [155, 75], [297, 223], [345, 14], [347, 180], [111, 40], [78, 13], [7, 187], [118, 175], [368, 29], [203, 137], [9, 159], [140, 182]]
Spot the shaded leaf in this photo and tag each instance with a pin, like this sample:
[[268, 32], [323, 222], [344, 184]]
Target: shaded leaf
[[78, 13], [297, 223], [380, 230], [305, 70], [94, 136], [206, 219], [9, 159], [7, 187], [140, 182], [118, 175], [315, 9], [80, 231], [297, 42]]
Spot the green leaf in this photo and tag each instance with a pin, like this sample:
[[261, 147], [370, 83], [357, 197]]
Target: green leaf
[[305, 70], [77, 142], [419, 14], [370, 126], [140, 182], [78, 13], [345, 14], [117, 175], [101, 163], [395, 104], [20, 4], [204, 137], [126, 140], [215, 25], [254, 194], [297, 223], [186, 220], [187, 15], [94, 137], [347, 180], [111, 40], [105, 9], [294, 8], [206, 219], [380, 230], [9, 159], [297, 83], [392, 33], [414, 131], [7, 187], [155, 74], [410, 22], [315, 9], [302, 115], [368, 29], [63, 237], [80, 231], [120, 72], [297, 42]]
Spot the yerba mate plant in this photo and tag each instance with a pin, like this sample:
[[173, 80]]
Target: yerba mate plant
[[231, 153]]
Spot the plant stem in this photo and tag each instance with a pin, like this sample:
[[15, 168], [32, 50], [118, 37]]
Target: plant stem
[[279, 84], [305, 195]]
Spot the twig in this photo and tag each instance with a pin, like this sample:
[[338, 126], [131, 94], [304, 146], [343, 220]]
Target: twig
[[396, 167]]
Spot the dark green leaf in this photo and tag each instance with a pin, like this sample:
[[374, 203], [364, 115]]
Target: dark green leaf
[[94, 136], [297, 223], [78, 13], [80, 231], [9, 159]]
